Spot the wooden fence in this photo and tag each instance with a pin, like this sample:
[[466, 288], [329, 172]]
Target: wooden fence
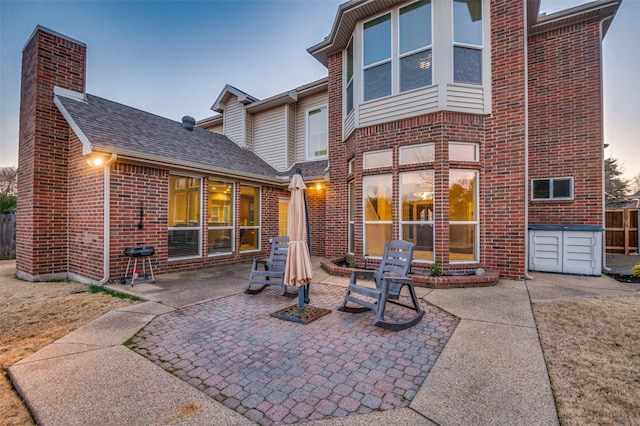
[[7, 236], [622, 230]]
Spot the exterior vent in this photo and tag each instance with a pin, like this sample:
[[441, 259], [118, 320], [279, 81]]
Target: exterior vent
[[188, 122]]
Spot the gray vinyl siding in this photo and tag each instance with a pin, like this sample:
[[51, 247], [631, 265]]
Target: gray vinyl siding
[[234, 121], [404, 105], [465, 98], [316, 100], [291, 135], [269, 136], [217, 129]]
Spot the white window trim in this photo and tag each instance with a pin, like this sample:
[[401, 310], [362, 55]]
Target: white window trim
[[551, 180], [475, 222], [259, 227], [233, 219], [308, 155], [190, 228]]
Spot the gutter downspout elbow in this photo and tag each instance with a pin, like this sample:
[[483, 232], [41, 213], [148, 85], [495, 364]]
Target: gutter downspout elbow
[[107, 220]]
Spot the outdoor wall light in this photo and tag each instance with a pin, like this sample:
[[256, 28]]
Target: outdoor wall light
[[95, 161]]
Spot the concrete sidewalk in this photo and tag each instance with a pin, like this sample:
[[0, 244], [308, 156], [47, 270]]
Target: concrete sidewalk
[[491, 371]]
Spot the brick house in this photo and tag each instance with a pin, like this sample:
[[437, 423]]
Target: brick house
[[471, 128]]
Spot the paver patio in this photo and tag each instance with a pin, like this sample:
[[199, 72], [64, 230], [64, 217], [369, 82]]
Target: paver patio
[[274, 371]]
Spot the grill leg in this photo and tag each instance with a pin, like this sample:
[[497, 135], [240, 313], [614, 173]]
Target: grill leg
[[153, 280]]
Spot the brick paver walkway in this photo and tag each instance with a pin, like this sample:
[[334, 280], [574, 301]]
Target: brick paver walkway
[[274, 371]]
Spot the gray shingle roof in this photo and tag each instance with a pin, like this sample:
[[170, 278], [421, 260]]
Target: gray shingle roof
[[116, 128]]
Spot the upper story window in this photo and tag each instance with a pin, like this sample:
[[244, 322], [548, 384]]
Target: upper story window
[[415, 45], [412, 60], [467, 41], [317, 135], [349, 78], [377, 57]]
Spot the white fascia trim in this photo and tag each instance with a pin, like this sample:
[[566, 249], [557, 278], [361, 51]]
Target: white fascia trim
[[87, 147]]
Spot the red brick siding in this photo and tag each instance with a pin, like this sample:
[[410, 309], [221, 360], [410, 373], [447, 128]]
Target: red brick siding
[[42, 214], [86, 214], [565, 121], [502, 194], [337, 192], [134, 186], [501, 136]]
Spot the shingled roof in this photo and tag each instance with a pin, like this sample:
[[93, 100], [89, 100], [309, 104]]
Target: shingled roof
[[107, 126]]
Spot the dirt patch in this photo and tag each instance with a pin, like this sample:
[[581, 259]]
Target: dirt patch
[[34, 315], [592, 350]]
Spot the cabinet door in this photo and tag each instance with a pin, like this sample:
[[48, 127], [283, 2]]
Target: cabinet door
[[545, 251]]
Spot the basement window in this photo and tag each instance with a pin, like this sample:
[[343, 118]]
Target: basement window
[[552, 189]]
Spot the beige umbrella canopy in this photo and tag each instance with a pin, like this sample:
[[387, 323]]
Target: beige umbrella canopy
[[298, 269]]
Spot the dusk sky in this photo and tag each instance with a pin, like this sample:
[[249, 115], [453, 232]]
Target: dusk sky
[[174, 58]]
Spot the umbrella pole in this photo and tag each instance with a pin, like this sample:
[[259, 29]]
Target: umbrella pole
[[301, 292]]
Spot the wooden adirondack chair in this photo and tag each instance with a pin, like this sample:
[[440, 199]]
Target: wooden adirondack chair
[[389, 279], [270, 271]]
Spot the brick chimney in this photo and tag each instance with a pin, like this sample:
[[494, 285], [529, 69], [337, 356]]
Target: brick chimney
[[48, 59]]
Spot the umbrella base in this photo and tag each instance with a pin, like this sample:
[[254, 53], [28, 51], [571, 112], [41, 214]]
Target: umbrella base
[[293, 314]]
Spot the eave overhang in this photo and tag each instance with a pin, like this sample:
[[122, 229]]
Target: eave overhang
[[228, 91], [600, 10]]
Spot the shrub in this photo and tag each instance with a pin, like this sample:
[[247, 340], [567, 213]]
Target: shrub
[[635, 271]]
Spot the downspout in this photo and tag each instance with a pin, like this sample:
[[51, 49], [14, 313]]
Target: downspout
[[603, 252], [107, 219], [526, 144]]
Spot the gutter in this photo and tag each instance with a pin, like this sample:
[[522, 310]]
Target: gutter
[[526, 146], [605, 268], [107, 220]]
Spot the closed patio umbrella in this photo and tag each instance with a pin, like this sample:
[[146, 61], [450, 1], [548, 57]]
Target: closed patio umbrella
[[298, 270]]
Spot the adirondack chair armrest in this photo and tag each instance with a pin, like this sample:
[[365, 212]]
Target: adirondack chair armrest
[[392, 285], [360, 273]]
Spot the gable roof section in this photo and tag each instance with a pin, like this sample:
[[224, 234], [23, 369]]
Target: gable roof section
[[227, 92], [111, 127]]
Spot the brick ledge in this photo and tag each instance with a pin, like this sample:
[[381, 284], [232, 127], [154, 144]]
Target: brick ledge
[[489, 278]]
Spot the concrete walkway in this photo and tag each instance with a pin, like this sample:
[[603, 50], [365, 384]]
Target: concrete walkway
[[491, 370]]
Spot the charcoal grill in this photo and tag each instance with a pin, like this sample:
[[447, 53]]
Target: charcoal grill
[[135, 253]]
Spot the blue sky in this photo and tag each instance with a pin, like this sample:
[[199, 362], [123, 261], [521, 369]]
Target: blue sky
[[173, 58]]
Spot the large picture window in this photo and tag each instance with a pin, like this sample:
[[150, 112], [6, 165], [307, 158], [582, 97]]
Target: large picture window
[[249, 217], [417, 220], [463, 216], [184, 217], [378, 213], [467, 41], [317, 122], [352, 215], [220, 217]]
